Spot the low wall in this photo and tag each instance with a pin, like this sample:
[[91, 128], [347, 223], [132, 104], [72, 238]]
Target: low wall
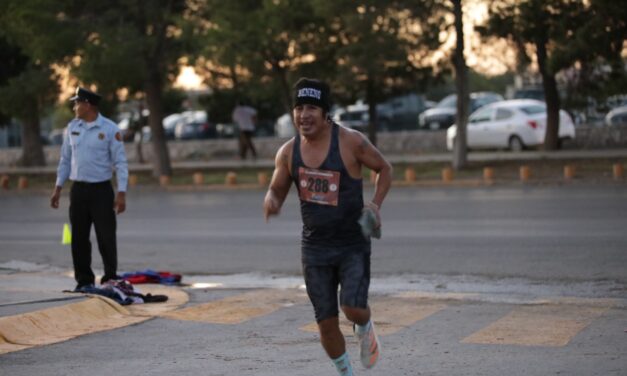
[[397, 143]]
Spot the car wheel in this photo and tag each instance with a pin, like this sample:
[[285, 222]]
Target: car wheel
[[516, 144]]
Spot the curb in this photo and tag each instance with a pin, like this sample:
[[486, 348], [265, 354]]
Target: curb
[[94, 314]]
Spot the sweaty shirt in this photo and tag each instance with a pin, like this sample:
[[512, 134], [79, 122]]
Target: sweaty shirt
[[330, 199]]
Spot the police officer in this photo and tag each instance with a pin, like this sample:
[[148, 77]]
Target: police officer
[[92, 147]]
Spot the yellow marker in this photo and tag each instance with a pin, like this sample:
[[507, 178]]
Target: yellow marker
[[67, 235]]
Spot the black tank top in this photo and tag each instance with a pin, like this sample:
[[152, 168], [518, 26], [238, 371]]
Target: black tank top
[[329, 210]]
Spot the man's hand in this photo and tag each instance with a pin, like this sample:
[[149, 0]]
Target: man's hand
[[54, 199], [119, 205], [271, 206]]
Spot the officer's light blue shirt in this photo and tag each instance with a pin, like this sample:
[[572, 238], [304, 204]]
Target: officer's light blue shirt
[[91, 151]]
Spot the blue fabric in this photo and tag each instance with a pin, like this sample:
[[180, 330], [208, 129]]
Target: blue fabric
[[106, 292], [90, 152]]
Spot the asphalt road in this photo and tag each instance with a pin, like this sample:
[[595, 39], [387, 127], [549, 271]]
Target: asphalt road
[[516, 280], [573, 234]]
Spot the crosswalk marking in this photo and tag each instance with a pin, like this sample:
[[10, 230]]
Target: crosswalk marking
[[390, 314], [240, 308], [553, 323]]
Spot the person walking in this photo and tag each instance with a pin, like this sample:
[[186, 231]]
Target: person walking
[[324, 162], [92, 148], [245, 117]]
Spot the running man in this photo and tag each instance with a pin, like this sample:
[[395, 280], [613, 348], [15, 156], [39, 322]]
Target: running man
[[324, 162]]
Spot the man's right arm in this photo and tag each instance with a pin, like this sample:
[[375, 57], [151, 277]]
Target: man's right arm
[[63, 170], [280, 183]]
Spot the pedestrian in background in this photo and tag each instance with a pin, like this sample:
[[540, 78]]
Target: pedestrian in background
[[324, 162], [245, 117], [92, 148]]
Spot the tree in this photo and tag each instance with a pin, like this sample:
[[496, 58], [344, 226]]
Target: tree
[[379, 46], [132, 44], [257, 48], [26, 89], [461, 82], [597, 49], [135, 44], [547, 25]]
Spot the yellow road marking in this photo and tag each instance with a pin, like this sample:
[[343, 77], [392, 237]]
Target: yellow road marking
[[548, 324], [239, 308], [390, 314]]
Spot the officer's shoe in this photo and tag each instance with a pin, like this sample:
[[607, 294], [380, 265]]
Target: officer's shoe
[[86, 287], [106, 278]]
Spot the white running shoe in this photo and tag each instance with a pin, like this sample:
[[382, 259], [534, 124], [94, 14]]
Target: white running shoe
[[368, 346]]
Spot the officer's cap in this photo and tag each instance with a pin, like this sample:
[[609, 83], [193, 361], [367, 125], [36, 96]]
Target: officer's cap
[[85, 95]]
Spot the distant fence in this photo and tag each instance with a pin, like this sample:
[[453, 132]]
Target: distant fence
[[405, 143]]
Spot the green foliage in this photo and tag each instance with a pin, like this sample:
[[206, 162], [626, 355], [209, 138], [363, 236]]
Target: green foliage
[[378, 41], [61, 115]]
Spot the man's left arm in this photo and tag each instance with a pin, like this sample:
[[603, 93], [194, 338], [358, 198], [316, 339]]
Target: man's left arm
[[118, 157], [369, 156]]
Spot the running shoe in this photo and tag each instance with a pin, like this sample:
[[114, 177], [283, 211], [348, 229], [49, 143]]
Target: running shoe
[[368, 346]]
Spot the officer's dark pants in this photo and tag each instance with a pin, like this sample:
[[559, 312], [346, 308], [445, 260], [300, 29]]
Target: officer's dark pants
[[93, 203]]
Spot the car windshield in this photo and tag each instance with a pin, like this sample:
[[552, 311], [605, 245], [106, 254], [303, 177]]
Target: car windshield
[[448, 102], [533, 109]]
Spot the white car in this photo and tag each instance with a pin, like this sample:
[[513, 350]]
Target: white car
[[514, 124], [616, 117]]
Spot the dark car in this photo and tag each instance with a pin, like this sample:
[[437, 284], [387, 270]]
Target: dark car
[[194, 125], [443, 114]]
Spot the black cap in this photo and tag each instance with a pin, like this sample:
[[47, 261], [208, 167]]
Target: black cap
[[314, 92], [85, 95]]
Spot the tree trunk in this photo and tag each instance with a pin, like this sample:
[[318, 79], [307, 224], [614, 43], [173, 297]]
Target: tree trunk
[[551, 137], [32, 148], [161, 159], [460, 159], [372, 110], [286, 89]]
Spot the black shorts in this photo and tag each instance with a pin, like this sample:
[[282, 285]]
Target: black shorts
[[326, 269]]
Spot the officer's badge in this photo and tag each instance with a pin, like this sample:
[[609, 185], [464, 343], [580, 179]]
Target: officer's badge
[[118, 136], [101, 136]]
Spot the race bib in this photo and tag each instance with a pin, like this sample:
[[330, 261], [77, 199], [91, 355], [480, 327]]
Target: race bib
[[318, 186]]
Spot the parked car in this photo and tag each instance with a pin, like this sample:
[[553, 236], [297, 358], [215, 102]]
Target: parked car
[[194, 125], [395, 114], [515, 124], [443, 114], [56, 136], [617, 117], [529, 93], [169, 124], [355, 116]]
